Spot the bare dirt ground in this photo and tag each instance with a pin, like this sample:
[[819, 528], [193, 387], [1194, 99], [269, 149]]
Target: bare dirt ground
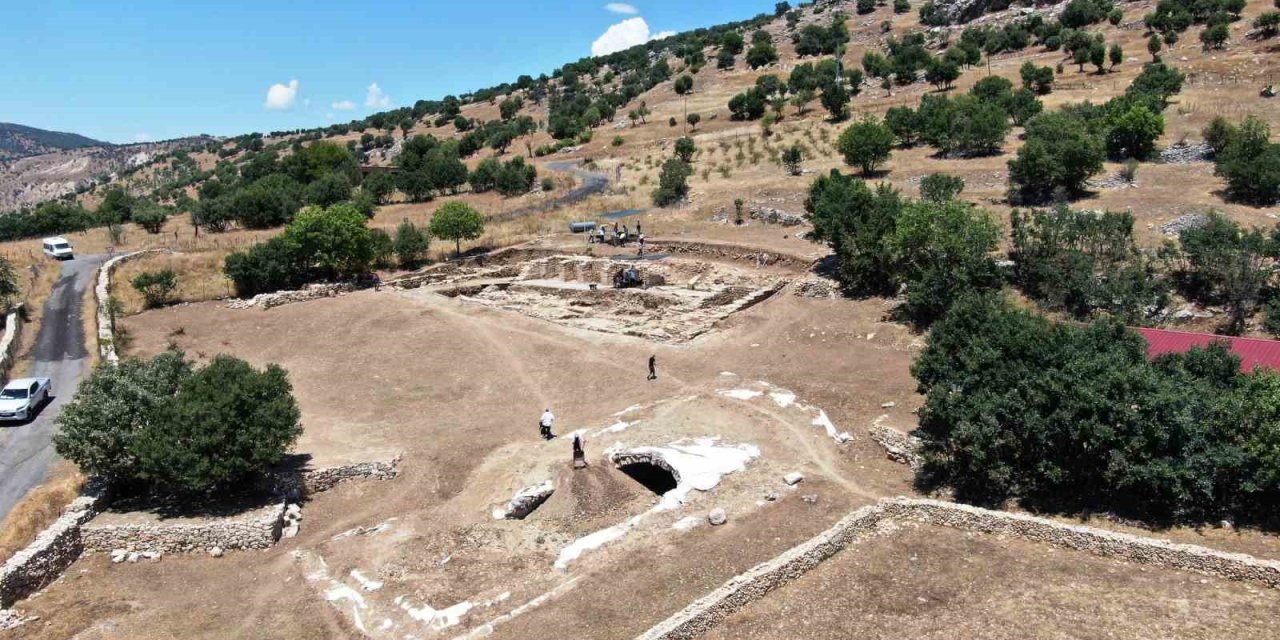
[[934, 582], [457, 386]]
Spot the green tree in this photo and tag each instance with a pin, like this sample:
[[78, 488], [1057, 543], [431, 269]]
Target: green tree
[[854, 221], [485, 175], [1115, 55], [380, 185], [157, 287], [835, 99], [693, 119], [331, 243], [683, 84], [149, 216], [941, 73], [1215, 36], [97, 428], [792, 157], [905, 125], [510, 107], [1060, 152], [941, 251], [673, 183], [866, 144], [1133, 133], [328, 189], [1153, 47], [457, 221], [1098, 56], [411, 244], [228, 422], [1221, 263], [685, 149], [1037, 79]]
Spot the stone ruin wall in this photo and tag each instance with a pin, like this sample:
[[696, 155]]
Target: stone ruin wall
[[898, 446], [44, 560], [258, 529], [708, 611]]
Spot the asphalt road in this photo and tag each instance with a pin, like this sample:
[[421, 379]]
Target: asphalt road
[[60, 354]]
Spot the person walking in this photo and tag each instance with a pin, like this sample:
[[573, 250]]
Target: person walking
[[653, 367], [544, 424], [640, 240]]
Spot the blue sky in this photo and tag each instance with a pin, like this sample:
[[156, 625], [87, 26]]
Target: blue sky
[[146, 69]]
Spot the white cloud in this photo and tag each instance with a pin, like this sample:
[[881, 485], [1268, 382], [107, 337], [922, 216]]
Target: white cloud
[[343, 105], [376, 98], [621, 7], [281, 96], [624, 35]]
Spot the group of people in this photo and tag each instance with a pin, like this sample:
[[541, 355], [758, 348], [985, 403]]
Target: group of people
[[548, 419], [620, 237]]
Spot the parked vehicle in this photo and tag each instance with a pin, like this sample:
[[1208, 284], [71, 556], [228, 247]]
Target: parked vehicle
[[58, 247], [21, 398]]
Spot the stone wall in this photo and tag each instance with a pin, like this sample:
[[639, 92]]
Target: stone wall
[[257, 529], [42, 561], [106, 326], [898, 446], [708, 611], [743, 255], [293, 485], [279, 298], [9, 342]]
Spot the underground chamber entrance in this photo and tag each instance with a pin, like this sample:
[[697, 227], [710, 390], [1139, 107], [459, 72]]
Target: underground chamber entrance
[[651, 476]]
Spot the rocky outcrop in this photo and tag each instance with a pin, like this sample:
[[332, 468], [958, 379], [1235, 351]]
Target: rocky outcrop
[[257, 529], [42, 561], [1183, 223], [525, 501], [770, 215]]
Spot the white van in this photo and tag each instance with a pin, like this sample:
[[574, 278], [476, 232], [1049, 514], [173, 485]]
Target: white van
[[58, 247]]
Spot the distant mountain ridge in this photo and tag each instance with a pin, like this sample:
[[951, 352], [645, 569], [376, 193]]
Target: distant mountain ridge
[[20, 141]]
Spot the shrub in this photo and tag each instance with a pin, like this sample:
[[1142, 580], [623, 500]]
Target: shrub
[[320, 244], [226, 423], [548, 184], [963, 125], [1268, 24], [1133, 133], [940, 187], [904, 123], [1249, 162], [792, 157], [1221, 263], [1037, 79], [411, 244], [150, 216], [901, 6], [618, 141], [865, 144], [942, 251], [157, 287], [383, 248], [516, 177], [673, 183], [457, 221]]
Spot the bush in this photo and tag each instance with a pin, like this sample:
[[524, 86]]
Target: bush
[[1037, 79], [1074, 419], [941, 187], [158, 425], [1249, 162], [548, 184], [901, 6], [792, 157], [383, 248], [673, 183], [865, 144], [942, 251], [1221, 263], [1268, 24], [320, 244], [1133, 133], [964, 125], [904, 123], [156, 287], [150, 216], [516, 177], [228, 422], [411, 244]]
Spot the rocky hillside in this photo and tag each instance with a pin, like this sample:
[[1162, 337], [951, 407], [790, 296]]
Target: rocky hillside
[[20, 141], [34, 179]]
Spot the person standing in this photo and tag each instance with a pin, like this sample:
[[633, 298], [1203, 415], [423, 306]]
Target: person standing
[[653, 367], [544, 424], [640, 240]]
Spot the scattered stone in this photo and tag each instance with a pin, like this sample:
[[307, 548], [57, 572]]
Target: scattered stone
[[1186, 153], [772, 496], [793, 478], [717, 516], [216, 552], [290, 530], [888, 405], [811, 498], [150, 555], [1183, 223], [118, 556]]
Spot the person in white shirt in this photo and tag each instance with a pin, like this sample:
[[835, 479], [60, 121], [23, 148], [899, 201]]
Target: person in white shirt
[[544, 424]]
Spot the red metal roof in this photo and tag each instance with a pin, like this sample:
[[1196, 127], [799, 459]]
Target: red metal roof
[[1253, 352]]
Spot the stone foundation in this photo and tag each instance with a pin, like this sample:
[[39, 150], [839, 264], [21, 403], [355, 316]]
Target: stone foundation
[[708, 611], [280, 298], [257, 529]]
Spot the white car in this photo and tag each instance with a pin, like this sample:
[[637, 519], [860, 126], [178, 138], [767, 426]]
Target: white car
[[58, 247], [21, 398]]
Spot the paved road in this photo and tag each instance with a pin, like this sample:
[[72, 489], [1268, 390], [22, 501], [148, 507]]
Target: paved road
[[26, 450]]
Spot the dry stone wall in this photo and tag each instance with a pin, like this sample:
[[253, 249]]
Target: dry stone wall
[[106, 325], [708, 611], [9, 342], [280, 298], [898, 446], [42, 561], [257, 529]]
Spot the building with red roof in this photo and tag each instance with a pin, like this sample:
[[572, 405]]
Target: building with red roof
[[1253, 352]]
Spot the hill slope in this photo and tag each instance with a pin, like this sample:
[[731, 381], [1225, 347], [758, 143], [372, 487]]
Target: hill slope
[[20, 141]]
